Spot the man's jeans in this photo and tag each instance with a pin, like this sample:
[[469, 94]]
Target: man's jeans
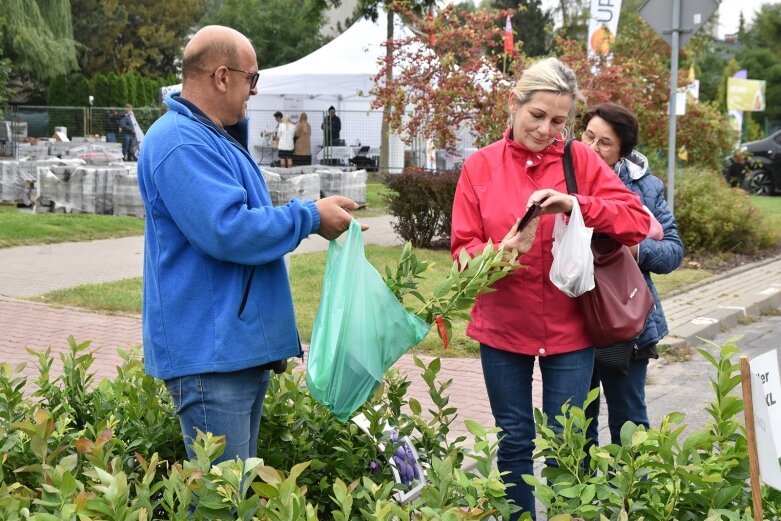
[[127, 145], [508, 379], [228, 404], [625, 396]]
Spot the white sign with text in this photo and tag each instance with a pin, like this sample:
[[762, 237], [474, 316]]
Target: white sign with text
[[766, 397]]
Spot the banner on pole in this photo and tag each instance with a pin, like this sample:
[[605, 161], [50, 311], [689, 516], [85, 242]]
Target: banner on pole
[[748, 95], [766, 395], [603, 25]]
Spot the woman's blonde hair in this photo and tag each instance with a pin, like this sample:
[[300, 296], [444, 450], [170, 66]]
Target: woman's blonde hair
[[549, 75], [303, 117]]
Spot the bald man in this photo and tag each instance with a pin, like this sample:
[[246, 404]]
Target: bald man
[[217, 307]]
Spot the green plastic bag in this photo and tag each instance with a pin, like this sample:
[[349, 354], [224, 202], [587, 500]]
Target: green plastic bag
[[361, 329]]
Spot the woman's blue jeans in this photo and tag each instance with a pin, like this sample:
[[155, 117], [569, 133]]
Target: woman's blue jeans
[[625, 397], [226, 404], [508, 379]]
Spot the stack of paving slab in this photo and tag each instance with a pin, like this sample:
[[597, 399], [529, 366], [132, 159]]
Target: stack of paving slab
[[107, 190], [285, 184], [18, 178], [338, 182], [93, 153]]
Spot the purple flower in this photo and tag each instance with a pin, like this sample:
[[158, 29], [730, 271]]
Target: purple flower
[[374, 468]]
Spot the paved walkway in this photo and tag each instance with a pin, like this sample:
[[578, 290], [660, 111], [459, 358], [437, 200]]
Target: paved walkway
[[701, 311]]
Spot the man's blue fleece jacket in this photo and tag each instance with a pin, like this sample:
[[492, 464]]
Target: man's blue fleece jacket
[[216, 292]]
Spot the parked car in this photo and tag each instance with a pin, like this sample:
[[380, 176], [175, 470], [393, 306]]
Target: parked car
[[756, 166]]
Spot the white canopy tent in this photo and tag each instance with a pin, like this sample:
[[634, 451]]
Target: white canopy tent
[[340, 73]]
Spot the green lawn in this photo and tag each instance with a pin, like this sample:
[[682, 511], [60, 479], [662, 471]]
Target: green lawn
[[375, 204], [769, 205], [19, 228]]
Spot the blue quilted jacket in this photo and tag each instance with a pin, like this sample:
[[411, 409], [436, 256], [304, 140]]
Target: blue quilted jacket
[[655, 256]]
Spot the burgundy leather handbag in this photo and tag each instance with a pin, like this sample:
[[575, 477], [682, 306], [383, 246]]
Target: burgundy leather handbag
[[617, 308]]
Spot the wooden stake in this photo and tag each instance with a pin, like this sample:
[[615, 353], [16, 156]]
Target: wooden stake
[[753, 461]]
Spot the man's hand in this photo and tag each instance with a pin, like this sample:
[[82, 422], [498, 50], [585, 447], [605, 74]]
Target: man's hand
[[335, 215]]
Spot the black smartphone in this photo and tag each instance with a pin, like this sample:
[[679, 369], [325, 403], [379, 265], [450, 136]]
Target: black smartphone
[[531, 213]]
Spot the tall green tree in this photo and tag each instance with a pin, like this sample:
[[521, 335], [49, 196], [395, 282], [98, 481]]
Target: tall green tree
[[574, 15], [761, 57], [133, 36], [282, 31], [532, 25], [765, 30], [98, 26], [37, 37], [5, 69]]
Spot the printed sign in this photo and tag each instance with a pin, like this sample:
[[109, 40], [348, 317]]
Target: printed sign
[[746, 95], [603, 25], [766, 397]]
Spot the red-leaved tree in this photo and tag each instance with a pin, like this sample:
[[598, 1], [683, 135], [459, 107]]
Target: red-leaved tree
[[444, 80]]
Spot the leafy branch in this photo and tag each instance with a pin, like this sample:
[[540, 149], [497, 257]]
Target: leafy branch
[[454, 295]]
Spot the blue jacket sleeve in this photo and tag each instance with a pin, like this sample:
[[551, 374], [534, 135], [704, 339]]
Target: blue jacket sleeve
[[665, 255], [209, 196]]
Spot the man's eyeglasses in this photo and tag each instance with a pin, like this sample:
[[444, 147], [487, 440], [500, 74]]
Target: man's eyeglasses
[[251, 76], [602, 144]]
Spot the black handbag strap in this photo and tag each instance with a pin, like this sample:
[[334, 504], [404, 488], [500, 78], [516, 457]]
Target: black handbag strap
[[572, 184], [569, 169]]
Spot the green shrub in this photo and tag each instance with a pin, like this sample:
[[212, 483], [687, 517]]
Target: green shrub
[[706, 134], [713, 218], [113, 450], [422, 202], [654, 474]]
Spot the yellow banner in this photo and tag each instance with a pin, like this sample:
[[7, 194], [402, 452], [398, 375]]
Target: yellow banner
[[748, 95]]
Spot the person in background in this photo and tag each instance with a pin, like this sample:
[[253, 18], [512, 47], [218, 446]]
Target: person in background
[[302, 152], [331, 127], [285, 139], [128, 133], [612, 132], [527, 317], [217, 307], [112, 126]]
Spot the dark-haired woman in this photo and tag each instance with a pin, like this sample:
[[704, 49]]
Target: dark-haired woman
[[612, 132]]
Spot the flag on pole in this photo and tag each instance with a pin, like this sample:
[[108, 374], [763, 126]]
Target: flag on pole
[[432, 38], [508, 35]]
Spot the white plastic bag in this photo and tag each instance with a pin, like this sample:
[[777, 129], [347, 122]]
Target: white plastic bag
[[572, 270]]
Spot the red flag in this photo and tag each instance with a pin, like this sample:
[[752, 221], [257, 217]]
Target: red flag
[[432, 38], [508, 36]]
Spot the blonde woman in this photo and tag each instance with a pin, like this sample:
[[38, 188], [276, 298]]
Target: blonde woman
[[303, 140], [527, 318]]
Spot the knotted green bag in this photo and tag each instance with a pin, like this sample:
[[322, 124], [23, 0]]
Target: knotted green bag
[[361, 329]]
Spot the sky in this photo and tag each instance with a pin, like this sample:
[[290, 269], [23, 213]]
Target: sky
[[729, 13]]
